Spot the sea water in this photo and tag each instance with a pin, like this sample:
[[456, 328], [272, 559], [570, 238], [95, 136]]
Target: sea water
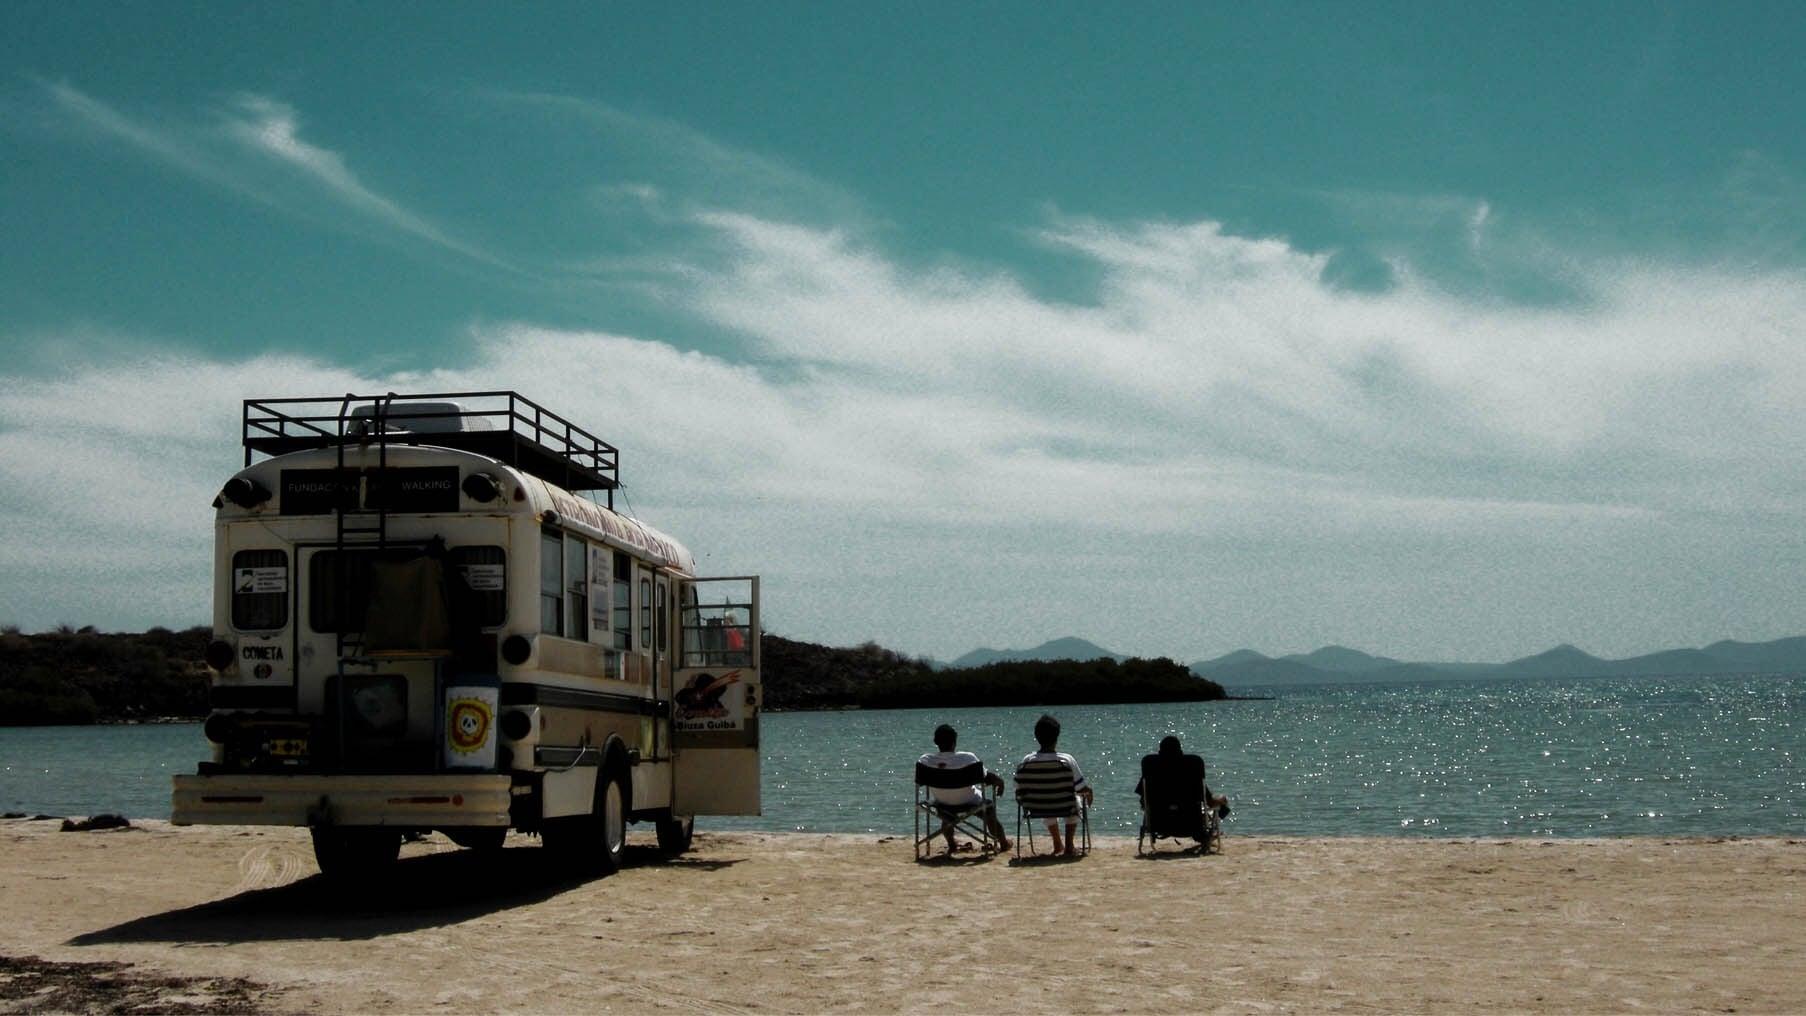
[[1661, 756]]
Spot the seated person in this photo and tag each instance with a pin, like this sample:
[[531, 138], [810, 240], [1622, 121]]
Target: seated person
[[1172, 759], [1047, 735], [735, 642], [945, 738]]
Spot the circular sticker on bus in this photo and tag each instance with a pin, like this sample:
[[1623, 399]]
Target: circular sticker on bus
[[469, 723]]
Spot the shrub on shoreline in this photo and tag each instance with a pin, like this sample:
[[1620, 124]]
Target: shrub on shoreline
[[69, 676], [72, 677]]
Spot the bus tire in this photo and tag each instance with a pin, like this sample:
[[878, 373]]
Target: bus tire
[[355, 853], [613, 799], [675, 834]]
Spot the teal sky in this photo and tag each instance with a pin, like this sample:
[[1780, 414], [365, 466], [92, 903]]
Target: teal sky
[[1309, 311]]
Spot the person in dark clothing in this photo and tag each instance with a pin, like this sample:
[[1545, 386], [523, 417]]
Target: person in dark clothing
[[1170, 754]]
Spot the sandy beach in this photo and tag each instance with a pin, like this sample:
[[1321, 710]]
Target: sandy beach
[[236, 919]]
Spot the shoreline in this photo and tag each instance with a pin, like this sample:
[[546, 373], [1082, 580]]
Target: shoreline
[[849, 922], [1100, 839]]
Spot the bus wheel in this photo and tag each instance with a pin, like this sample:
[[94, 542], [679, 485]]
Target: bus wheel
[[354, 853], [675, 833], [611, 818]]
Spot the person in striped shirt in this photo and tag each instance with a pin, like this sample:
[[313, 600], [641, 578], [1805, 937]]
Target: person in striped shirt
[[1047, 735]]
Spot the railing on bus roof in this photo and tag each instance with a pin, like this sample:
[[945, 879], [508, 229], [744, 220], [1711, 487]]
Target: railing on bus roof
[[504, 425]]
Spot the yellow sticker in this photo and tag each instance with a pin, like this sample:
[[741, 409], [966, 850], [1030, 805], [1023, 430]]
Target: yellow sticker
[[469, 723]]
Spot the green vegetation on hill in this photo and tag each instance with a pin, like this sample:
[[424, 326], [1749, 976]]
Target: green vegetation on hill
[[74, 677], [802, 675], [85, 676], [1043, 682]]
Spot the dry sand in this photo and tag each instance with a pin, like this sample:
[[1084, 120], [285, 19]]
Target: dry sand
[[810, 923]]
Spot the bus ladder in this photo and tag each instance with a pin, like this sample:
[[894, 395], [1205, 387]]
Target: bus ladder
[[356, 525]]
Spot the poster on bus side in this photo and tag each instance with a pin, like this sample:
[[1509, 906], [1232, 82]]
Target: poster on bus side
[[713, 700]]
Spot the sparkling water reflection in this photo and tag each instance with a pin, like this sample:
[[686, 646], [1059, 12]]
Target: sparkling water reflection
[[1663, 756]]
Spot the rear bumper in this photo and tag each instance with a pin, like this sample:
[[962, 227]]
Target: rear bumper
[[426, 801]]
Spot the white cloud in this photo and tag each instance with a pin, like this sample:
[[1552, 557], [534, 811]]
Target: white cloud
[[263, 126], [684, 160], [939, 459], [1476, 224], [272, 128], [166, 144]]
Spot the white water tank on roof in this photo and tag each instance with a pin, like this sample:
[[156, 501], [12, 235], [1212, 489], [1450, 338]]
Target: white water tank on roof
[[421, 418]]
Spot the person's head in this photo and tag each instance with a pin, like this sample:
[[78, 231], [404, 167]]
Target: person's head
[[945, 737], [1169, 746], [1047, 732]]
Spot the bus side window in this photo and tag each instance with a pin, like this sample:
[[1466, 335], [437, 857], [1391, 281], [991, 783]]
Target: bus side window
[[551, 582], [664, 622], [576, 594], [645, 615], [600, 622], [260, 590], [623, 609]]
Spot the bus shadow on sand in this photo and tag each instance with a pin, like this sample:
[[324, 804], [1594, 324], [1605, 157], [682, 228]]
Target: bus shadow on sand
[[428, 891]]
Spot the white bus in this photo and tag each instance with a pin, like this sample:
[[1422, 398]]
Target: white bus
[[421, 624]]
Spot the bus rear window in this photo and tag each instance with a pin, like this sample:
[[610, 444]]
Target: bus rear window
[[259, 590], [338, 586]]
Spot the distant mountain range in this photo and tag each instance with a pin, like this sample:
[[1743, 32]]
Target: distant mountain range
[[1341, 665], [1059, 649]]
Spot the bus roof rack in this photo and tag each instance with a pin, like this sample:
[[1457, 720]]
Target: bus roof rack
[[502, 425]]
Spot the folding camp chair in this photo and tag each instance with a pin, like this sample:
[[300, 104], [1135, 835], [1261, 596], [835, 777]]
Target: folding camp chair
[[1173, 804], [937, 818], [1048, 788]]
